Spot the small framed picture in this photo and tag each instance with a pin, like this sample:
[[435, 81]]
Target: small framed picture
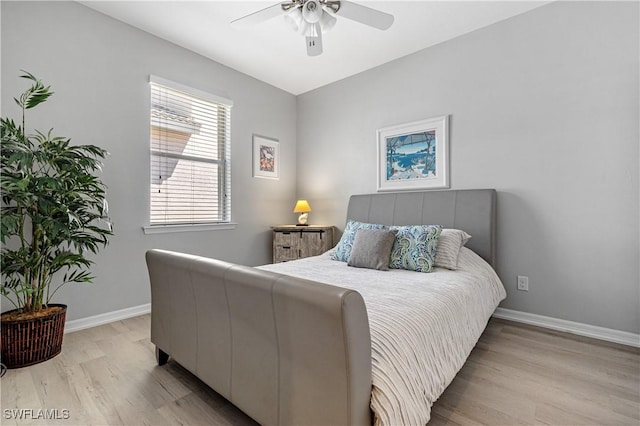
[[266, 157], [414, 156]]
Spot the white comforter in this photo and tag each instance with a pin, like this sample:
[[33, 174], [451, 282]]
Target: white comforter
[[423, 326]]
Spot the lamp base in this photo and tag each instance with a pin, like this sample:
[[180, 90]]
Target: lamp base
[[302, 219]]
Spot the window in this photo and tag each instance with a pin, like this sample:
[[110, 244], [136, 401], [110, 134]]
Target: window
[[190, 156]]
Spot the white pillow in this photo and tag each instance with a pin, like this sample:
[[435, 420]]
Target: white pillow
[[449, 244]]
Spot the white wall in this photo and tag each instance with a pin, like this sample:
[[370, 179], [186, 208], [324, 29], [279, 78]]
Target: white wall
[[99, 69], [544, 108]]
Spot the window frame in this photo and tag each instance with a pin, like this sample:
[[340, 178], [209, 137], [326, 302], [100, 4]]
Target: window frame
[[224, 159]]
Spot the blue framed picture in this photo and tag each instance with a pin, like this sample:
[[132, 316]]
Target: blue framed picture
[[414, 156]]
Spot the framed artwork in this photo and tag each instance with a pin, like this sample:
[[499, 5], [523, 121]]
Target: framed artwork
[[266, 157], [414, 156]]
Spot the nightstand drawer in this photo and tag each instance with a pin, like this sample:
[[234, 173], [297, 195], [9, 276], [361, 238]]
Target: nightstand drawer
[[285, 238], [285, 253]]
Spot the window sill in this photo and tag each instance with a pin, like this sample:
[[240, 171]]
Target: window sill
[[165, 229]]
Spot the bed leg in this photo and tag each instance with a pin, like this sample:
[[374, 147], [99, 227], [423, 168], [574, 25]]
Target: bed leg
[[161, 356]]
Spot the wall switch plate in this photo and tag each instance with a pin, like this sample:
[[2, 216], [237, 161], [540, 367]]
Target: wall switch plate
[[523, 283]]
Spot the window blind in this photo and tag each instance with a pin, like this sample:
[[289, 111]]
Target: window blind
[[190, 155]]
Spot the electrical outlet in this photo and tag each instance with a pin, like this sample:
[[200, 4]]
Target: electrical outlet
[[523, 283]]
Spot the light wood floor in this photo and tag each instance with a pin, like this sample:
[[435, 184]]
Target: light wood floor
[[516, 375]]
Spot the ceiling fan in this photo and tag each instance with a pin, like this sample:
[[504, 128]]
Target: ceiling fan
[[312, 17]]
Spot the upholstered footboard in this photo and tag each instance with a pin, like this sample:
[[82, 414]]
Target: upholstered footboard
[[284, 350]]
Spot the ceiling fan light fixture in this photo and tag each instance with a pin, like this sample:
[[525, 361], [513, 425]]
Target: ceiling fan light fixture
[[312, 11], [327, 21], [305, 28], [293, 18]]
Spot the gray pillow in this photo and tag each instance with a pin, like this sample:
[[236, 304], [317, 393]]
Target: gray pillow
[[343, 249], [372, 248]]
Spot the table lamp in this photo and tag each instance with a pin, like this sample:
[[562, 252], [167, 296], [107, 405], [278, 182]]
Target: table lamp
[[302, 207]]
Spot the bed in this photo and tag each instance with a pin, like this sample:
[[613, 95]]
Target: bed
[[316, 341]]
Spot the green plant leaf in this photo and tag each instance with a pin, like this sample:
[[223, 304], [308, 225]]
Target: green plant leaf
[[36, 94]]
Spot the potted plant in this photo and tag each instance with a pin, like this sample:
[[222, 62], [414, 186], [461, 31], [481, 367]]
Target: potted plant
[[54, 213]]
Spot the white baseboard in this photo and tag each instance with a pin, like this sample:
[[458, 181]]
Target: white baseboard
[[607, 334], [106, 318]]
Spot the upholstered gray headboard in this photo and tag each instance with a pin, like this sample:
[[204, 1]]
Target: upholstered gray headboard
[[472, 210]]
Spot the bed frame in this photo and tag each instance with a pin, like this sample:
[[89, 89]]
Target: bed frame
[[285, 350]]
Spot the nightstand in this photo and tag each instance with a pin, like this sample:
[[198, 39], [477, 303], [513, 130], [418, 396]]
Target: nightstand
[[291, 242]]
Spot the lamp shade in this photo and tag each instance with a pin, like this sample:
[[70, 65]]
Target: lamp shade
[[294, 18], [302, 206], [327, 22]]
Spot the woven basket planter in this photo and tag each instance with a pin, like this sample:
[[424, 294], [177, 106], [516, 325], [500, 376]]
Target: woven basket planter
[[30, 341]]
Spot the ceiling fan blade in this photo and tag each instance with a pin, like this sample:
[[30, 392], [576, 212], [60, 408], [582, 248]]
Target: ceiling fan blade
[[258, 17], [365, 15], [314, 41]]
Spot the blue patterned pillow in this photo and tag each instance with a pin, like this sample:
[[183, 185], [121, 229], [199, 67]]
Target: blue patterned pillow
[[344, 247], [415, 247]]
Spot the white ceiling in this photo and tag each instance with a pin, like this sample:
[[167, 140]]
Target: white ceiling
[[274, 53]]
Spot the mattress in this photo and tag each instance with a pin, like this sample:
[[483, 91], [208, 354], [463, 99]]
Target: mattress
[[423, 326]]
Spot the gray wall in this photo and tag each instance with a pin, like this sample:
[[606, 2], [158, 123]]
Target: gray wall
[[544, 108], [99, 69]]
